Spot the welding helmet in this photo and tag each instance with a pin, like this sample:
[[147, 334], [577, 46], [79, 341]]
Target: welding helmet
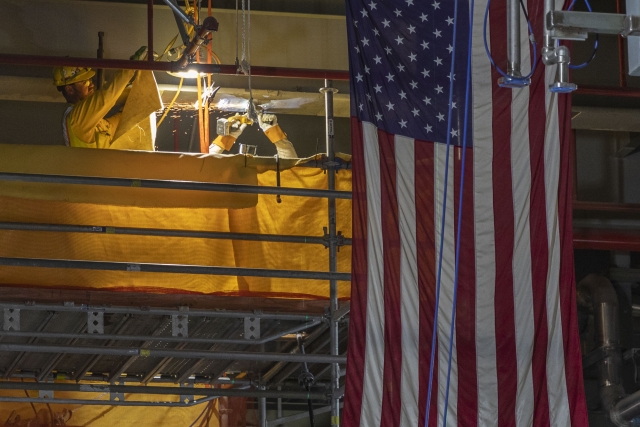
[[63, 76]]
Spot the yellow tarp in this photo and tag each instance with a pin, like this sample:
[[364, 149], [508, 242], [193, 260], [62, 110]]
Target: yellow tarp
[[166, 209], [18, 414]]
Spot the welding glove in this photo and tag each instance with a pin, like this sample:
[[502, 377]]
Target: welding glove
[[225, 142], [269, 125]]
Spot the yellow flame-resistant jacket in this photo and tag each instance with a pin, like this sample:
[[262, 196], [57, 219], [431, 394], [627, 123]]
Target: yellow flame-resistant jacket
[[84, 124]]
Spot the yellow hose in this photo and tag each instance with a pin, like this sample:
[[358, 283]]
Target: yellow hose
[[170, 104]]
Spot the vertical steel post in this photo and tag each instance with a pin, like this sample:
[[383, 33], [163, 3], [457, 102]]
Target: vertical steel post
[[513, 38], [547, 42], [262, 410], [150, 30], [100, 55], [328, 91], [279, 414]]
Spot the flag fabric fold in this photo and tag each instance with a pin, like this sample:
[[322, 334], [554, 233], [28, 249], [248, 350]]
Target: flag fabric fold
[[515, 358]]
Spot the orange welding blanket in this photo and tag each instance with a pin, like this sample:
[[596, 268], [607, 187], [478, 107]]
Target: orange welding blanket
[[22, 414], [166, 209]]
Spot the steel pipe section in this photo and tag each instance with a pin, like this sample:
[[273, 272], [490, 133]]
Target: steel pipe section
[[192, 391], [164, 311], [102, 402], [596, 292], [130, 231], [120, 64], [190, 340], [171, 185], [172, 268], [182, 354]]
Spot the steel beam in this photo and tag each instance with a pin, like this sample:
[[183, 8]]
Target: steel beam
[[120, 327], [165, 311], [171, 184], [130, 231], [172, 268], [56, 401], [161, 326], [174, 67], [131, 389], [576, 25], [183, 354], [186, 340], [11, 369]]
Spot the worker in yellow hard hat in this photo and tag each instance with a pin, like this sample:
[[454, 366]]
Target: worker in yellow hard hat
[[84, 123], [269, 125]]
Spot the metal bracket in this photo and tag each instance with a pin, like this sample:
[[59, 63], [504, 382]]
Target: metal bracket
[[95, 322], [116, 396], [251, 328], [597, 355], [11, 319], [576, 25], [339, 239], [187, 398], [45, 394], [180, 325], [344, 309]]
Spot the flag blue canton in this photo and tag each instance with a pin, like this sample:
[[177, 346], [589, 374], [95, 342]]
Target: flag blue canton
[[400, 54]]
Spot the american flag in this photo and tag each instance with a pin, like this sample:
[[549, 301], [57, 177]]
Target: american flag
[[516, 353]]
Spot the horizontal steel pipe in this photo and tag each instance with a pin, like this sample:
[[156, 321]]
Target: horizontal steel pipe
[[66, 376], [172, 185], [172, 268], [130, 231], [182, 354], [56, 401], [191, 340], [623, 92], [192, 391], [163, 311], [57, 61]]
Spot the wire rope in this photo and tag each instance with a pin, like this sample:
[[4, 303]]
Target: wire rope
[[443, 221], [460, 209]]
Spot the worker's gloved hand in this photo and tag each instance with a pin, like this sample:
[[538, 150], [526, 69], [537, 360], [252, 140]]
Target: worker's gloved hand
[[215, 149], [269, 125], [140, 54], [225, 142], [267, 121], [236, 129]]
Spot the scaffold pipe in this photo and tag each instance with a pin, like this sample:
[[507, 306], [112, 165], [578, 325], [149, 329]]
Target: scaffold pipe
[[171, 185]]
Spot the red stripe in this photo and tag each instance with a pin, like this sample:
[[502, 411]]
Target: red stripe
[[392, 377], [538, 231], [426, 255], [571, 339], [506, 361], [358, 316], [466, 302]]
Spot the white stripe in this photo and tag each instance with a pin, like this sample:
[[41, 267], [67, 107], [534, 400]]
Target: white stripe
[[522, 280], [409, 294], [556, 379], [487, 373], [374, 350], [446, 285]]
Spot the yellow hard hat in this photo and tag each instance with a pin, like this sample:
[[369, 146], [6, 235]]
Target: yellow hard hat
[[63, 76]]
